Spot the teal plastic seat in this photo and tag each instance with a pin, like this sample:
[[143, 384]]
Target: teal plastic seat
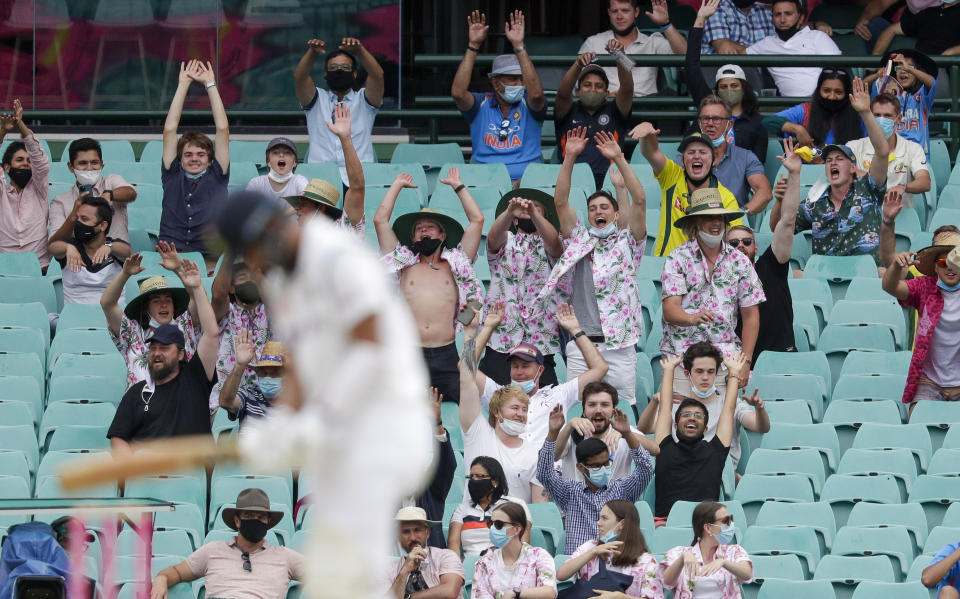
[[866, 289], [109, 366], [546, 516], [666, 538], [839, 270], [14, 463], [82, 316], [74, 413], [13, 487], [113, 150], [147, 218], [952, 517], [869, 387], [185, 516], [814, 291], [427, 155], [938, 417], [892, 541], [90, 388], [328, 171], [817, 515], [247, 151], [842, 491], [24, 389], [482, 175], [644, 174], [49, 487], [776, 567], [755, 489], [876, 363], [883, 312], [848, 416], [179, 488], [951, 441], [805, 315], [910, 516], [945, 462], [20, 264], [142, 173], [646, 517], [681, 515], [79, 437], [165, 542], [940, 537], [545, 175], [790, 411], [774, 540], [821, 437], [944, 216], [16, 413], [836, 341], [897, 462], [790, 363], [844, 572], [380, 176], [777, 462], [889, 436], [871, 589], [22, 438], [808, 389], [23, 339], [796, 589], [78, 341], [54, 461], [935, 494], [920, 564]]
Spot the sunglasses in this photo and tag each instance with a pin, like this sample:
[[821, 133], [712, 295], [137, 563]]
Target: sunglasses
[[716, 120], [724, 521], [339, 67], [504, 129], [942, 262], [499, 524], [747, 242], [693, 414], [246, 561]]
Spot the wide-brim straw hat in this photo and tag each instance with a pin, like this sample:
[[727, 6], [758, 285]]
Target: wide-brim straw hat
[[707, 202], [271, 355], [151, 286], [927, 257], [321, 192], [537, 195], [403, 227]]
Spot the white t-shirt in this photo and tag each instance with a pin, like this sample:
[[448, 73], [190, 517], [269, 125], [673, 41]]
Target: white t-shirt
[[908, 160], [294, 187], [714, 407], [519, 463], [644, 78], [622, 460], [796, 81], [541, 404], [475, 533], [324, 145], [944, 354], [86, 287]]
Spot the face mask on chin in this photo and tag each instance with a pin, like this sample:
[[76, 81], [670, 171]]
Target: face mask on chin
[[709, 240], [278, 178], [426, 246], [786, 34], [512, 428]]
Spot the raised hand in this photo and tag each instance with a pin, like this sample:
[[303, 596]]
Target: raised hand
[[567, 319], [186, 70], [170, 256], [190, 274], [613, 46], [659, 15], [8, 122], [435, 397], [893, 202], [556, 419], [495, 314], [17, 110], [860, 97], [341, 121], [670, 361], [243, 347], [205, 73], [754, 400], [405, 181], [576, 141], [477, 28], [616, 177], [102, 253], [707, 9], [620, 422], [513, 28], [131, 266], [642, 130], [607, 145], [351, 45], [736, 363], [453, 178], [317, 46], [583, 426], [584, 59], [520, 207], [790, 159], [906, 259], [74, 261]]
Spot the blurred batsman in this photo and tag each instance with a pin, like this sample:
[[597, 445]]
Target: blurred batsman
[[353, 410]]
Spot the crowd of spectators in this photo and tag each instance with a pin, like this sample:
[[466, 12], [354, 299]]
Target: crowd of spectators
[[559, 323]]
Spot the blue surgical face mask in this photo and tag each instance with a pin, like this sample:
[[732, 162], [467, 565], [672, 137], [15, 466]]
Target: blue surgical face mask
[[944, 286], [886, 125], [611, 536], [153, 323], [603, 233], [719, 141], [704, 394], [512, 93], [600, 476], [725, 536], [196, 176], [527, 386], [498, 536], [270, 386]]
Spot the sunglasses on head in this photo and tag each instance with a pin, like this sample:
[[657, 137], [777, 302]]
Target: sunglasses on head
[[747, 242], [499, 524], [835, 71]]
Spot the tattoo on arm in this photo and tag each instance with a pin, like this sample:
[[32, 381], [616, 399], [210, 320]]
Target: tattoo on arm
[[470, 354]]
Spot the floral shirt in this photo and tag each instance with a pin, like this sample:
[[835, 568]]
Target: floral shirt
[[729, 585], [732, 285], [854, 229], [926, 297], [131, 342], [235, 320], [360, 228], [647, 581], [534, 568], [517, 272], [615, 261], [468, 284]]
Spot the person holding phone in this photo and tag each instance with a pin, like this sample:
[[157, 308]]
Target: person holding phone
[[432, 257]]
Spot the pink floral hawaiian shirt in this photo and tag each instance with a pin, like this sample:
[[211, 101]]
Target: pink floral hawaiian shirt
[[732, 285], [360, 228], [615, 261], [647, 581], [131, 342], [237, 319], [534, 568], [517, 273], [729, 585]]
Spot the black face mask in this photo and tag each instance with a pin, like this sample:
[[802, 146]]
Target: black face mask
[[247, 292], [742, 4], [785, 34], [831, 105], [479, 489], [526, 225], [339, 81], [629, 29], [20, 176], [253, 530], [426, 246], [84, 233]]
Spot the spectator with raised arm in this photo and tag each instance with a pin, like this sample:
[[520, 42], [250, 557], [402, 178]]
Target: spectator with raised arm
[[731, 85], [241, 399], [679, 181], [341, 75], [433, 498], [936, 28], [915, 88], [195, 172], [86, 164], [523, 244], [603, 256], [24, 200], [828, 118], [504, 125], [623, 36], [432, 257], [281, 180]]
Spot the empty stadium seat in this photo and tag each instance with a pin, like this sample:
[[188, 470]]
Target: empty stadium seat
[[22, 438], [848, 416], [79, 341], [79, 437], [779, 567], [872, 589], [938, 416], [877, 363], [185, 516], [817, 515], [54, 461], [805, 315], [165, 542], [870, 388], [646, 517], [90, 388], [74, 413], [814, 291], [427, 155], [846, 572], [883, 312], [808, 389], [944, 216], [790, 363], [224, 490], [547, 515], [110, 366], [935, 493], [910, 516], [81, 316], [791, 412], [821, 437], [796, 589], [178, 488], [754, 489], [952, 516], [892, 541], [20, 264], [22, 339], [842, 491], [775, 540], [482, 175], [891, 436], [49, 487], [14, 463], [940, 537], [897, 462], [666, 538], [806, 462], [16, 413], [545, 176], [945, 462], [836, 341], [839, 270]]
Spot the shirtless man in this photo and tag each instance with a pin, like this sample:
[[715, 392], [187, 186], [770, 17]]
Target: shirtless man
[[432, 257]]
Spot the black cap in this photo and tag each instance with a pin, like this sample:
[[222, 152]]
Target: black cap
[[695, 137], [167, 334], [242, 219]]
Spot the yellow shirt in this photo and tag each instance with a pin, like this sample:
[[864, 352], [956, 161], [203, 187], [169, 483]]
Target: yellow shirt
[[674, 199]]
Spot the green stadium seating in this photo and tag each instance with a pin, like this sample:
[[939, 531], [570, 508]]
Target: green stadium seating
[[869, 387], [944, 216], [848, 416], [77, 341], [31, 315], [89, 388], [106, 365], [646, 517], [74, 413], [754, 489], [952, 440], [185, 516], [776, 540], [328, 171], [23, 339], [938, 416], [892, 541], [224, 490], [916, 569], [13, 487], [805, 315], [841, 491], [22, 438], [79, 437], [167, 542], [427, 155], [898, 462], [546, 516], [380, 176], [935, 494], [545, 176], [839, 270], [139, 173], [790, 412], [49, 487], [666, 538], [889, 436], [482, 175], [874, 363], [146, 218], [16, 413], [815, 291], [940, 537], [800, 340], [644, 174], [952, 516], [836, 341], [808, 389], [945, 462], [940, 162], [791, 363], [871, 589], [910, 516], [52, 461], [179, 488], [817, 515], [846, 572], [806, 462], [796, 589], [20, 264], [82, 316], [14, 463], [15, 366], [821, 437], [776, 567], [23, 389], [247, 151], [884, 312], [113, 150]]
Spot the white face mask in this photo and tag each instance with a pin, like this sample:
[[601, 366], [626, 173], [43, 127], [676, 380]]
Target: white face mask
[[711, 241], [513, 428], [278, 178], [87, 177]]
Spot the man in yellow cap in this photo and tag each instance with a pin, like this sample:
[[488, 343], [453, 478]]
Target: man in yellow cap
[[253, 400]]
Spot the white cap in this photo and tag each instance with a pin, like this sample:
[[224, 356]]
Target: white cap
[[730, 71]]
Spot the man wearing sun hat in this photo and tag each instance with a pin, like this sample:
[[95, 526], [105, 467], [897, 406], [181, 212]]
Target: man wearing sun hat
[[432, 257], [253, 400], [247, 566], [421, 567], [698, 307], [933, 370], [505, 124]]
